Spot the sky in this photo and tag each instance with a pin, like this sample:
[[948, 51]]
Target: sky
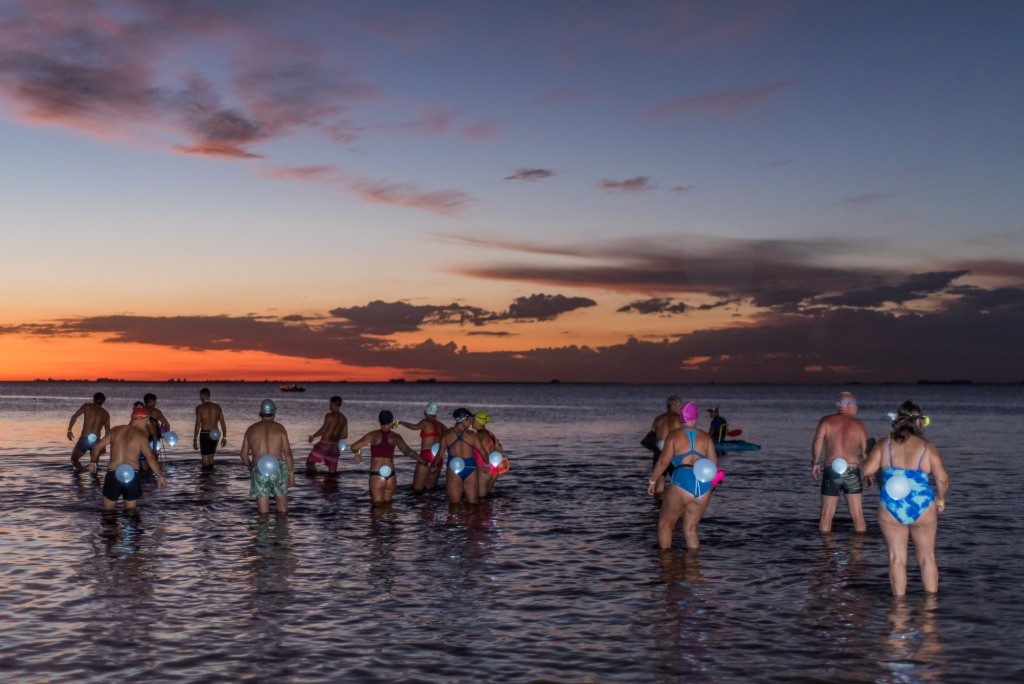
[[581, 190]]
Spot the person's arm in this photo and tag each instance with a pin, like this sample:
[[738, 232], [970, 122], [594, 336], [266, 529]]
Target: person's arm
[[358, 445], [497, 444], [223, 430], [419, 425], [816, 444], [154, 465], [320, 431], [406, 449], [71, 423], [288, 458], [662, 463], [195, 435], [941, 477], [245, 451], [873, 461], [96, 450], [868, 479], [162, 418], [106, 424], [344, 428]]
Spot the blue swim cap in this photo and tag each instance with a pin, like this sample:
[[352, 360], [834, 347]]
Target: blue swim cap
[[268, 408]]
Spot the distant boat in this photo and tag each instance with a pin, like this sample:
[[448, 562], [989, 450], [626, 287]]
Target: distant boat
[[292, 388]]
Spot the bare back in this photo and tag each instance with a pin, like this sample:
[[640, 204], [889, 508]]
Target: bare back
[[335, 427], [840, 436], [94, 419], [267, 437], [126, 443], [209, 415], [665, 423]]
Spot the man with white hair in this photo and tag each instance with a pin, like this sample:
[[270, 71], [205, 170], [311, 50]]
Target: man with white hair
[[841, 442]]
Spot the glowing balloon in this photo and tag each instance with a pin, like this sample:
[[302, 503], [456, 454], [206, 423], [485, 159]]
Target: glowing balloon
[[897, 486], [268, 465], [704, 470], [434, 449], [660, 444], [840, 465], [158, 447], [91, 438], [214, 435], [495, 459], [342, 445], [457, 465], [124, 473], [171, 439], [385, 471]]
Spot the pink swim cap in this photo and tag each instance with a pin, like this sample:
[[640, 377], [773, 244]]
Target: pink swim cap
[[689, 412]]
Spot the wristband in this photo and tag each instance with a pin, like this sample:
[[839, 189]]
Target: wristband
[[650, 482], [940, 503]]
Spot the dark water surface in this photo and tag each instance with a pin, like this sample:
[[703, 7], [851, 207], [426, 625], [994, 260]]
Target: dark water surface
[[555, 579]]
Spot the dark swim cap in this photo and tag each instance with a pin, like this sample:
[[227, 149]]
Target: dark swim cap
[[461, 414], [268, 408], [385, 417]]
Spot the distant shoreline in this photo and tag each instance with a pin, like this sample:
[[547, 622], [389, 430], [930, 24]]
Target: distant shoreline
[[918, 383]]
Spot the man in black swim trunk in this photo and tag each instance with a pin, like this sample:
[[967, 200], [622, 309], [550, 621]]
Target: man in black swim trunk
[[840, 438], [126, 443]]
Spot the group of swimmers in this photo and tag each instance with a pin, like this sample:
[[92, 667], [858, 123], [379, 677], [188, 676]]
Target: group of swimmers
[[845, 460], [468, 449]]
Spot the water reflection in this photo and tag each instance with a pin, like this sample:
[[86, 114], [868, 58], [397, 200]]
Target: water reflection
[[912, 649], [692, 623]]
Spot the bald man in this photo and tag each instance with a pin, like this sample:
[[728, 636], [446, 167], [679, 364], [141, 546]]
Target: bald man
[[840, 435]]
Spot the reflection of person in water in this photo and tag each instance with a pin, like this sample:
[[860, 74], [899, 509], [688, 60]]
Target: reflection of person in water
[[914, 650]]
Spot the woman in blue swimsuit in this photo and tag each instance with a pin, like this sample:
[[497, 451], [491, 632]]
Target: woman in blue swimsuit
[[684, 496], [906, 454], [458, 442]]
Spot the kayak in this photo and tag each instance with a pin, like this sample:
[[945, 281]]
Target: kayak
[[736, 445]]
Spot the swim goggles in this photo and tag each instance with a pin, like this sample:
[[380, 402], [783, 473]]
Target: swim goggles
[[925, 420]]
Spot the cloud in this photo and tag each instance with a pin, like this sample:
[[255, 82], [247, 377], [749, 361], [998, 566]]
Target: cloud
[[915, 286], [384, 318], [531, 174], [680, 189], [726, 103], [483, 131], [630, 185], [654, 305], [543, 307]]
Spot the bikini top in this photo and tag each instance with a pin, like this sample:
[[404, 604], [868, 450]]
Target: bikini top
[[433, 426], [677, 460], [383, 450]]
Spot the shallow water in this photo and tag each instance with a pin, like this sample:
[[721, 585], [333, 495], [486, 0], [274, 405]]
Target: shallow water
[[555, 579]]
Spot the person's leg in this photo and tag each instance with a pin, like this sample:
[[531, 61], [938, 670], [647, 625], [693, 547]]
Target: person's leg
[[671, 508], [896, 536], [109, 505], [692, 513], [389, 488], [263, 504], [855, 503], [76, 460], [454, 485], [470, 486], [484, 480], [282, 504], [419, 477], [828, 511], [923, 533]]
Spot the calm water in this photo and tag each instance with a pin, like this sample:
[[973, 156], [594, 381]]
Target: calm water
[[555, 579]]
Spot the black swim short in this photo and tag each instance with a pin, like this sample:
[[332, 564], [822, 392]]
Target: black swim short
[[832, 483], [207, 446], [114, 488]]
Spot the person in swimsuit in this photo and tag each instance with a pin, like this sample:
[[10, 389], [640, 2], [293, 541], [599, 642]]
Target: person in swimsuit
[[208, 416], [262, 438], [685, 496], [663, 424], [334, 429], [719, 429], [96, 422], [906, 454], [431, 429], [487, 474], [840, 435], [127, 443], [458, 443], [158, 425], [383, 443]]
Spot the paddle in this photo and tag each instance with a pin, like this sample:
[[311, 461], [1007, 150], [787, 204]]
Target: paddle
[[735, 433]]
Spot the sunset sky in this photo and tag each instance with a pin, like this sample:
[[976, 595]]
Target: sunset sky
[[583, 190]]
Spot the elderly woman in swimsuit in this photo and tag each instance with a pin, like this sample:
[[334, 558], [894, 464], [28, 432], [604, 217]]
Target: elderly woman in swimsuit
[[685, 496], [431, 429], [485, 475], [383, 443], [907, 454]]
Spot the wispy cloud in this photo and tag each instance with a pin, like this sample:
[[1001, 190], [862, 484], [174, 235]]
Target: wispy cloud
[[531, 174], [867, 198], [628, 186], [726, 102], [654, 305]]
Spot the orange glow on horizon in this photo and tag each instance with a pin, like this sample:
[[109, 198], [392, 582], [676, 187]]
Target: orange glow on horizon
[[28, 357]]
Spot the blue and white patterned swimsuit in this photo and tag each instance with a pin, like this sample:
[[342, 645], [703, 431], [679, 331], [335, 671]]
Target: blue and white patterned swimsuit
[[908, 509]]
